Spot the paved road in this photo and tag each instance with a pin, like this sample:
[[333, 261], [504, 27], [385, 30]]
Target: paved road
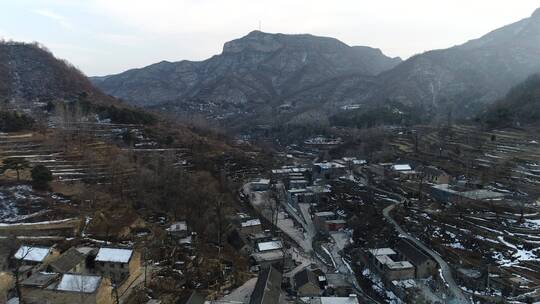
[[242, 293], [445, 268]]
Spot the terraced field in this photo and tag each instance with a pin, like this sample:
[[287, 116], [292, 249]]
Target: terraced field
[[509, 157], [492, 238], [85, 157]]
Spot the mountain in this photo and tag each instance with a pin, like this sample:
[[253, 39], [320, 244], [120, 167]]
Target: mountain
[[521, 106], [256, 69], [462, 80], [30, 76], [29, 72], [274, 78]]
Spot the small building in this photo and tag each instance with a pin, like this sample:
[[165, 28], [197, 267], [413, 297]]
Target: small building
[[328, 221], [268, 258], [455, 193], [404, 172], [67, 289], [268, 253], [328, 170], [351, 299], [298, 183], [178, 229], [70, 261], [260, 184], [250, 226], [40, 280], [269, 246], [261, 237], [401, 167], [424, 265], [306, 283], [115, 263], [434, 175], [34, 255], [319, 193], [387, 263], [268, 287], [298, 196]]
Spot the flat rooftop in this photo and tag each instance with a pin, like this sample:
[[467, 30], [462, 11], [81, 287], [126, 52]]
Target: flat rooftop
[[382, 251]]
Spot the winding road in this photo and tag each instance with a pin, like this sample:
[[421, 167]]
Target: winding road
[[446, 272]]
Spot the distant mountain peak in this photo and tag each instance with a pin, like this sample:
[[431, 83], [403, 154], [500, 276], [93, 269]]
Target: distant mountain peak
[[536, 13]]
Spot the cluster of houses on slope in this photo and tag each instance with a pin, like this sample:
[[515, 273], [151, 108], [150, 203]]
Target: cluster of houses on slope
[[263, 248], [404, 262], [308, 184], [77, 275], [440, 185], [269, 289]]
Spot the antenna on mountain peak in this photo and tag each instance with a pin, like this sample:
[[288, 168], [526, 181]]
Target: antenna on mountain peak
[[260, 26]]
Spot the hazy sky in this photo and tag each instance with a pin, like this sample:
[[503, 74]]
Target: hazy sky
[[109, 36]]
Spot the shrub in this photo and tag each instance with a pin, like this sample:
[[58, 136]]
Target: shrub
[[41, 176]]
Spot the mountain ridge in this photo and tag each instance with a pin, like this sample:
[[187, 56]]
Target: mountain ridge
[[262, 75], [259, 66]]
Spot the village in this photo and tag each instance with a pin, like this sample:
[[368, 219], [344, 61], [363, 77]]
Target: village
[[342, 230]]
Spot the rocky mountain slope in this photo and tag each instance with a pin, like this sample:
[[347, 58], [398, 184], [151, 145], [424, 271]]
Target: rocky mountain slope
[[275, 78], [29, 72], [257, 68], [462, 79], [521, 106]]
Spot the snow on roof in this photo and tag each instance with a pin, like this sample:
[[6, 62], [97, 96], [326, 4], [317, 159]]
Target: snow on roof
[[272, 245], [178, 226], [295, 191], [13, 301], [262, 181], [325, 214], [250, 223], [382, 251], [79, 283], [115, 255], [329, 165], [404, 167], [339, 300], [34, 254], [330, 300]]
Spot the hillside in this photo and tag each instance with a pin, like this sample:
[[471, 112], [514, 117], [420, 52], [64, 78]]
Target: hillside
[[29, 72], [461, 79], [520, 107], [257, 68]]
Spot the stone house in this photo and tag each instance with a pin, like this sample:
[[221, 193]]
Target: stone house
[[250, 226], [51, 288], [116, 263], [35, 255], [178, 229], [424, 265], [260, 184], [328, 221], [386, 261], [70, 261], [328, 170]]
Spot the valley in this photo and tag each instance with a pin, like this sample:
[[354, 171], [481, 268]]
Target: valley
[[289, 168]]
